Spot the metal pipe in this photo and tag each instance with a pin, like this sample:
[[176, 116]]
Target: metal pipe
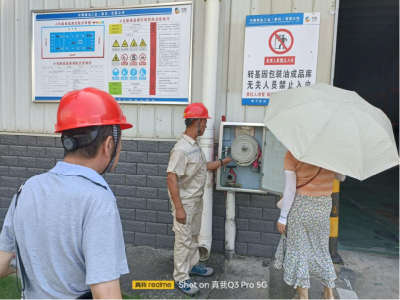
[[334, 41], [209, 99], [230, 226], [226, 155], [334, 220]]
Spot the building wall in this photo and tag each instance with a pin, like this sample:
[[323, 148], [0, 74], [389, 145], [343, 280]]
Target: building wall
[[139, 184], [28, 145], [19, 115]]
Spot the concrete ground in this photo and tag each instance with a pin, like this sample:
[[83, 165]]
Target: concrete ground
[[147, 263], [369, 275], [362, 276]]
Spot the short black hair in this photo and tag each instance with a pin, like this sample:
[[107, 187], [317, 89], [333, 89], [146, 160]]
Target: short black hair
[[189, 122], [90, 150]]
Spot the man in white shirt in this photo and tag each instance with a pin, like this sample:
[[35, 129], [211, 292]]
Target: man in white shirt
[[187, 172]]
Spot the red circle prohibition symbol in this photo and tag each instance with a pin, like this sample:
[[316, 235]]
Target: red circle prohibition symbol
[[142, 57], [275, 34]]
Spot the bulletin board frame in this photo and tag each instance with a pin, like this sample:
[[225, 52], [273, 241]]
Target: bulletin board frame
[[120, 98]]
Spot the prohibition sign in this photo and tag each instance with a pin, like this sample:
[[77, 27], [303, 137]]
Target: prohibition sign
[[124, 57], [142, 57], [285, 47], [133, 57]]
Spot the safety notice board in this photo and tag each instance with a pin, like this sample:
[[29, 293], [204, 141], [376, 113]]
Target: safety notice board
[[280, 53], [138, 54]]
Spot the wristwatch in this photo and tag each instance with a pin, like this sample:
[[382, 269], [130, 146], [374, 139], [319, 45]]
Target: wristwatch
[[221, 162]]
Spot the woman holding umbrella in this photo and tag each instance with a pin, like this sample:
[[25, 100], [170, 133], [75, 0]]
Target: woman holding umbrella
[[304, 248], [328, 132]]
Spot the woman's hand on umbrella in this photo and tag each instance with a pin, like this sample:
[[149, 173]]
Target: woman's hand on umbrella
[[281, 228]]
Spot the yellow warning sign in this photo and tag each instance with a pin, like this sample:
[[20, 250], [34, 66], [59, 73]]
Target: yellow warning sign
[[115, 58], [124, 44], [116, 44], [133, 44], [143, 43]]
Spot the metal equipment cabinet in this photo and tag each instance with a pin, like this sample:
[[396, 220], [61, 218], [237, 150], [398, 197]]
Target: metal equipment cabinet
[[270, 175]]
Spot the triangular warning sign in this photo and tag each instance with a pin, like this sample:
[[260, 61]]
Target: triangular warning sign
[[116, 44], [124, 44], [115, 58], [133, 44], [142, 43]]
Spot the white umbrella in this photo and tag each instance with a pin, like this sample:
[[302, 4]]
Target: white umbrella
[[334, 129]]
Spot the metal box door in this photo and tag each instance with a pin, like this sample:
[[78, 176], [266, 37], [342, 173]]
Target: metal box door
[[272, 172]]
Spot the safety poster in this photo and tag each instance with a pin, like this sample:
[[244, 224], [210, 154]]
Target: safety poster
[[280, 53], [138, 54]]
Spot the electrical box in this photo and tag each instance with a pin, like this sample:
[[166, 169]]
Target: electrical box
[[258, 159]]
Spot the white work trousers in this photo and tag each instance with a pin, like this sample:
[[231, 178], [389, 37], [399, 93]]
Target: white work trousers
[[186, 248]]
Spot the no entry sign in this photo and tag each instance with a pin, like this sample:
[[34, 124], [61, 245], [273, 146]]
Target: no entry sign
[[280, 53], [281, 41]]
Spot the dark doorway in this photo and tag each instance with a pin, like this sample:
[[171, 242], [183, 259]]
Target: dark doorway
[[367, 62], [367, 53]]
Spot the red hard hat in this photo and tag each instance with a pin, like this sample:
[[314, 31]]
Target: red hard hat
[[89, 107], [196, 111]]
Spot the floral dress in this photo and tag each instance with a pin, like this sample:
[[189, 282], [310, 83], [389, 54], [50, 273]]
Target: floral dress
[[304, 251]]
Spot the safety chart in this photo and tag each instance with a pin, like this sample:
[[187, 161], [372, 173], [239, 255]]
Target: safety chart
[[72, 42], [280, 53], [138, 54]]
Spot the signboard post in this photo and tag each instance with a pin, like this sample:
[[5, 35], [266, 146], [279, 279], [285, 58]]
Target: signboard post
[[138, 54], [280, 53]]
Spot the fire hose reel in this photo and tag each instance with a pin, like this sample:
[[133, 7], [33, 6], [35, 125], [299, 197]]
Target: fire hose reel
[[246, 151]]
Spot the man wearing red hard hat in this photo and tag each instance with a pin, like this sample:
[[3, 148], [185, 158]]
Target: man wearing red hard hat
[[64, 225], [187, 172]]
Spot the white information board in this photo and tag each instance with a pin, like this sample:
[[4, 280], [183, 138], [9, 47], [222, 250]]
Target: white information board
[[280, 53], [138, 54]]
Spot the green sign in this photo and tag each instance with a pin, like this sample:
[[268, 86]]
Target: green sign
[[115, 88]]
